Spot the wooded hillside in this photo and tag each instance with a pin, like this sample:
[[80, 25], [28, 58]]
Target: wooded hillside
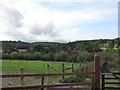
[[53, 51]]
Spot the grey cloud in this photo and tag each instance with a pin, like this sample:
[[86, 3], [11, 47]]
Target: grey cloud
[[13, 21], [14, 17], [48, 30]]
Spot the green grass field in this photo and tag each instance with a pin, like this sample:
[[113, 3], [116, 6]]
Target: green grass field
[[13, 66]]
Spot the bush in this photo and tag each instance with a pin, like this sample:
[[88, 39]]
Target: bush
[[87, 80], [5, 56], [14, 55], [60, 56], [112, 57], [37, 55], [85, 56], [72, 79], [28, 56]]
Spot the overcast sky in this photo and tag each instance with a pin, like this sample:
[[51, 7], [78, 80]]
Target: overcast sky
[[58, 21]]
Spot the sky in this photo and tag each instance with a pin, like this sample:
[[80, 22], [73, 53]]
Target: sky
[[58, 21]]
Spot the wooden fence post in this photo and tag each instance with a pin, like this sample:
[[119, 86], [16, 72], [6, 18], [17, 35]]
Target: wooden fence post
[[42, 82], [48, 68], [72, 67], [80, 65], [22, 76], [63, 70], [97, 72]]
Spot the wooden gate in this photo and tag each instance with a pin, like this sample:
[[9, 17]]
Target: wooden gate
[[111, 79]]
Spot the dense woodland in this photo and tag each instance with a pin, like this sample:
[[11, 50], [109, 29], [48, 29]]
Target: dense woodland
[[72, 51], [77, 51]]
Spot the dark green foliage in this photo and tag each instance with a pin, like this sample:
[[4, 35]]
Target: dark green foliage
[[72, 56], [60, 56], [14, 55], [75, 79], [78, 51], [72, 79], [37, 55], [6, 56], [112, 57]]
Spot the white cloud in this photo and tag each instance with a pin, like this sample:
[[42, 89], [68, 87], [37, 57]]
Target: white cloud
[[26, 20], [85, 1]]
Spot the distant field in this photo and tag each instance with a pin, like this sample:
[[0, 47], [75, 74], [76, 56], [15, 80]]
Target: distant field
[[104, 49], [13, 66]]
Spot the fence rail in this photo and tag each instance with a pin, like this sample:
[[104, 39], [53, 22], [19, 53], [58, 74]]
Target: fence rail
[[45, 74], [95, 82], [42, 80]]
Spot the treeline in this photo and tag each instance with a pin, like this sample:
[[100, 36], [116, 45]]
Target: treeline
[[78, 51]]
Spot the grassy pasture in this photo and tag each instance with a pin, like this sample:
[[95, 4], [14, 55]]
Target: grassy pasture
[[13, 66]]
